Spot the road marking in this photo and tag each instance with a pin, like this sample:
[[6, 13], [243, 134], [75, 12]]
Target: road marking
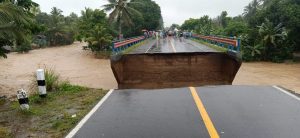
[[206, 119], [151, 46], [148, 49], [286, 92], [172, 45], [82, 122]]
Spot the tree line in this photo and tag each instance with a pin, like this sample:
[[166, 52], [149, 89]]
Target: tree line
[[269, 29], [23, 26]]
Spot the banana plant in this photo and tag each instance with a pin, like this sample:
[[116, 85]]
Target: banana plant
[[272, 34]]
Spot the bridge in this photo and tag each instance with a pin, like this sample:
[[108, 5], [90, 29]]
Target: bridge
[[192, 111]]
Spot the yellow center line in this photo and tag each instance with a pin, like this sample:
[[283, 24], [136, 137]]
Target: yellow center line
[[206, 119]]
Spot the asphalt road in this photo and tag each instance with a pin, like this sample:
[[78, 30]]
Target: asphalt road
[[172, 45], [210, 111], [233, 111]]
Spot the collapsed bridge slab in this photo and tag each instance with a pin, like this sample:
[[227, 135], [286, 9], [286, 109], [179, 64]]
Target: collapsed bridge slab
[[172, 70]]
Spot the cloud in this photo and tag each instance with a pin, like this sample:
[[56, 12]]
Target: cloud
[[176, 11], [173, 11]]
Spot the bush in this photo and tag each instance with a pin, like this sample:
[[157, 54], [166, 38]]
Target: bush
[[24, 47], [60, 38], [66, 86], [52, 79], [41, 41], [55, 83]]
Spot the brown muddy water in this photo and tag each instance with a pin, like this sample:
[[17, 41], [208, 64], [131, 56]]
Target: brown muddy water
[[71, 62], [82, 68], [286, 75]]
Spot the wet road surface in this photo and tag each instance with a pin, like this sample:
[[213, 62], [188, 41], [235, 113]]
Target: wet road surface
[[172, 45], [233, 111], [209, 111]]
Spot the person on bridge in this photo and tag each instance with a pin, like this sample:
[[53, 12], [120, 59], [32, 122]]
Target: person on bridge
[[161, 34], [145, 34], [180, 36], [175, 34]]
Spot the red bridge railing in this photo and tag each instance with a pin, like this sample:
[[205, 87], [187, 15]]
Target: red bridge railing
[[231, 44], [122, 45]]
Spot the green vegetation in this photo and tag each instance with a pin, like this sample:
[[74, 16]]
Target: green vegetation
[[132, 16], [122, 11], [55, 28], [53, 116], [24, 27], [129, 17], [150, 18], [15, 24], [5, 133], [52, 79], [95, 30], [269, 29]]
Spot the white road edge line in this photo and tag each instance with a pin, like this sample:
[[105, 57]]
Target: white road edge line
[[148, 49], [82, 122], [286, 92]]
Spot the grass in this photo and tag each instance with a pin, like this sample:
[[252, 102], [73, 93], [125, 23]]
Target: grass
[[52, 79], [215, 47], [50, 116], [4, 132]]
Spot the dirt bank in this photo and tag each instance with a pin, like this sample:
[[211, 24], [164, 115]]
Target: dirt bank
[[78, 66]]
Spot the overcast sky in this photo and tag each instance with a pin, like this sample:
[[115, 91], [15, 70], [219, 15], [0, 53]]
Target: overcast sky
[[173, 11]]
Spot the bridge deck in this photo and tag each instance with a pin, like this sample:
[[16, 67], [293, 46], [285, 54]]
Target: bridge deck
[[171, 45], [234, 111]]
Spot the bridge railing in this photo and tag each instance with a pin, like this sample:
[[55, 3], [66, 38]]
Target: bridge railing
[[232, 44], [118, 46]]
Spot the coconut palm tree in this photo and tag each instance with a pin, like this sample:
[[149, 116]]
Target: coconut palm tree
[[121, 11], [251, 8], [12, 18], [99, 39]]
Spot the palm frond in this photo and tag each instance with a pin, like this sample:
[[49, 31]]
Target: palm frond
[[127, 18], [109, 7], [133, 11], [113, 15], [112, 1]]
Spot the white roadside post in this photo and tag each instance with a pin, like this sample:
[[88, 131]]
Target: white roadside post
[[41, 83], [23, 99]]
